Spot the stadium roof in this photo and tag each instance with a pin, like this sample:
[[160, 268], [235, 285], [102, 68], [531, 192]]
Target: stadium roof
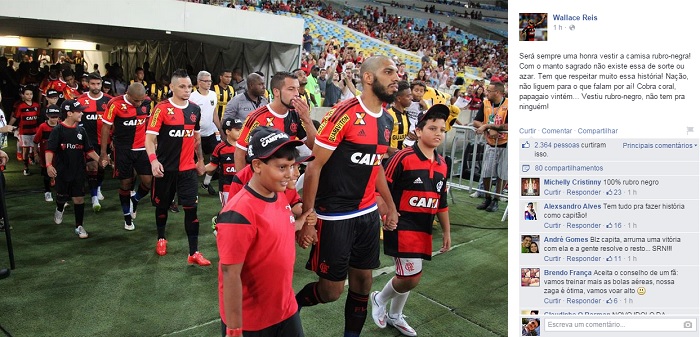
[[143, 20]]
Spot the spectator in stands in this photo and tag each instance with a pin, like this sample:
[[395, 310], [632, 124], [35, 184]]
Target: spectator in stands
[[312, 85], [360, 58], [321, 81], [477, 101], [333, 90], [308, 63], [422, 76], [402, 72], [318, 45], [346, 85], [307, 40]]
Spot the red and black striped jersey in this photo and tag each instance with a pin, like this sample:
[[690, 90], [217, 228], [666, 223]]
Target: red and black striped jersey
[[289, 123], [419, 189], [529, 33], [128, 123], [28, 117], [44, 86], [41, 138], [69, 144], [92, 115], [71, 93], [175, 126], [222, 158], [358, 138]]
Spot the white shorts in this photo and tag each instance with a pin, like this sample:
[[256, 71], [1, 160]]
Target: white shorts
[[223, 197], [408, 266], [26, 140]]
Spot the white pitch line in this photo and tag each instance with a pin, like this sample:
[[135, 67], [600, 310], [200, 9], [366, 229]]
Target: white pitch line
[[192, 327]]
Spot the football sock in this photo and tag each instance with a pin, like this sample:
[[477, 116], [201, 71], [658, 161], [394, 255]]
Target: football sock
[[308, 296], [191, 227], [100, 176], [79, 212], [141, 192], [387, 293], [124, 200], [355, 313], [61, 201], [161, 219], [47, 184], [207, 179], [92, 183], [397, 304]]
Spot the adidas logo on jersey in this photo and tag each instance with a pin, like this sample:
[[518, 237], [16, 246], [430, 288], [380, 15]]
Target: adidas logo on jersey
[[418, 181], [362, 133]]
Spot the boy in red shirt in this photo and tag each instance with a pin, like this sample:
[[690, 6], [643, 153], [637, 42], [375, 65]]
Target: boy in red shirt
[[27, 113], [222, 157], [256, 244], [41, 139]]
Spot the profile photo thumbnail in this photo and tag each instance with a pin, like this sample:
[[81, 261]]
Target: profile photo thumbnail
[[530, 187], [533, 26]]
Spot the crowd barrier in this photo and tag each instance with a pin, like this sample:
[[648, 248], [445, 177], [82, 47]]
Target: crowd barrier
[[466, 152]]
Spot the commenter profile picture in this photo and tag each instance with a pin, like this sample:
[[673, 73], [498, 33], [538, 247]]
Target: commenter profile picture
[[530, 211], [530, 187], [530, 244], [533, 26], [530, 277]]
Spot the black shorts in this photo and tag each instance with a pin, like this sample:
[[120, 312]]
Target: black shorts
[[290, 327], [126, 161], [184, 183], [209, 143], [71, 188], [345, 243]]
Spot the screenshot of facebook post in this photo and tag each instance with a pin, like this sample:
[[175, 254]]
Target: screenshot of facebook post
[[604, 214]]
